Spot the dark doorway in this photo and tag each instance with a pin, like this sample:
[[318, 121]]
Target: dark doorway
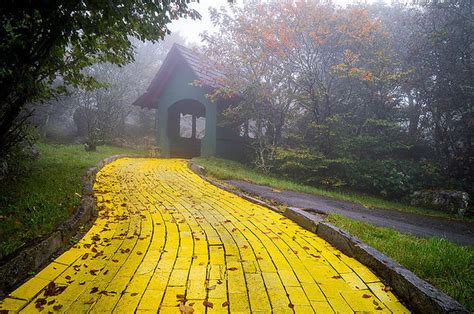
[[186, 128]]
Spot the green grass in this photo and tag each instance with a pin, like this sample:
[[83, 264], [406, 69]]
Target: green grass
[[226, 170], [447, 266], [33, 204]]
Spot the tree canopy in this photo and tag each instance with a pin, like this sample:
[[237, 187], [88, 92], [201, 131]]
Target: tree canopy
[[43, 41], [372, 97]]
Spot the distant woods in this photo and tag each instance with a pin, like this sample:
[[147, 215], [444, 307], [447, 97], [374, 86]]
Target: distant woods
[[105, 114], [375, 98]]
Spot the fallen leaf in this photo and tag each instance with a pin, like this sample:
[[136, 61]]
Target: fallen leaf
[[134, 294], [387, 288], [225, 304], [275, 190], [91, 301], [186, 309], [40, 302], [85, 256], [211, 287], [208, 304], [366, 296], [232, 268], [96, 238], [94, 290], [378, 308], [52, 289], [291, 306], [336, 277], [57, 307]]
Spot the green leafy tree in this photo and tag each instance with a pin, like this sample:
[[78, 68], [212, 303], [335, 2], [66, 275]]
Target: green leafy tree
[[43, 40]]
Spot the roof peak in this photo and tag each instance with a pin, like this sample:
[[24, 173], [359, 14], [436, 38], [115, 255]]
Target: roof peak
[[202, 67]]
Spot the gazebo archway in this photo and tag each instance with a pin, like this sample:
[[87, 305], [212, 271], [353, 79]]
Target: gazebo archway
[[186, 128]]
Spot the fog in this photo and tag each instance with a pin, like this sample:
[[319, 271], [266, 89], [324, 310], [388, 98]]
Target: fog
[[364, 95]]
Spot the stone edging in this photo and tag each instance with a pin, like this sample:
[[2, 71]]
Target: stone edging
[[420, 296], [17, 267]]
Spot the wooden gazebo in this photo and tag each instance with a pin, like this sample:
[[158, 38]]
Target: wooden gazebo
[[187, 120]]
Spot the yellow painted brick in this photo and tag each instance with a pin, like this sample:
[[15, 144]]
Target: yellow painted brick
[[297, 296], [151, 300], [339, 304], [236, 282], [217, 289], [322, 307], [239, 303], [51, 271], [257, 293], [13, 305], [364, 300], [179, 277], [288, 278], [354, 281], [366, 275], [30, 289], [313, 292], [278, 297], [217, 305], [303, 309], [387, 297]]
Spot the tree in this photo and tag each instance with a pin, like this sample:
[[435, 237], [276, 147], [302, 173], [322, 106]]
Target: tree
[[265, 86], [41, 41], [292, 59]]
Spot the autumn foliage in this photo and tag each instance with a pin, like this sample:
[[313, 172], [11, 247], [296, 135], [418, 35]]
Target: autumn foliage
[[338, 96]]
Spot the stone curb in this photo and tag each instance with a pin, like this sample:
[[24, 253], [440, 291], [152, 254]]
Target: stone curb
[[419, 295], [17, 267]]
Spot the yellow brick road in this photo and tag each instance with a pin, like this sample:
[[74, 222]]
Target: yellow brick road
[[165, 240]]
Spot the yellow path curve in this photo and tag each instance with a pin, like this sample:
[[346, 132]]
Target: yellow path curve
[[166, 240]]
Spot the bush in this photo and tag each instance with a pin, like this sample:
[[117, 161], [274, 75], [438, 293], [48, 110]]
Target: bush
[[393, 178], [390, 178], [310, 167]]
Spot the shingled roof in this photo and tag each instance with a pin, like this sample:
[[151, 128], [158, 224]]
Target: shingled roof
[[202, 67]]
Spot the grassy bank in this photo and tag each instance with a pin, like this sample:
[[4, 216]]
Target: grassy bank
[[442, 263], [226, 170], [33, 204]]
